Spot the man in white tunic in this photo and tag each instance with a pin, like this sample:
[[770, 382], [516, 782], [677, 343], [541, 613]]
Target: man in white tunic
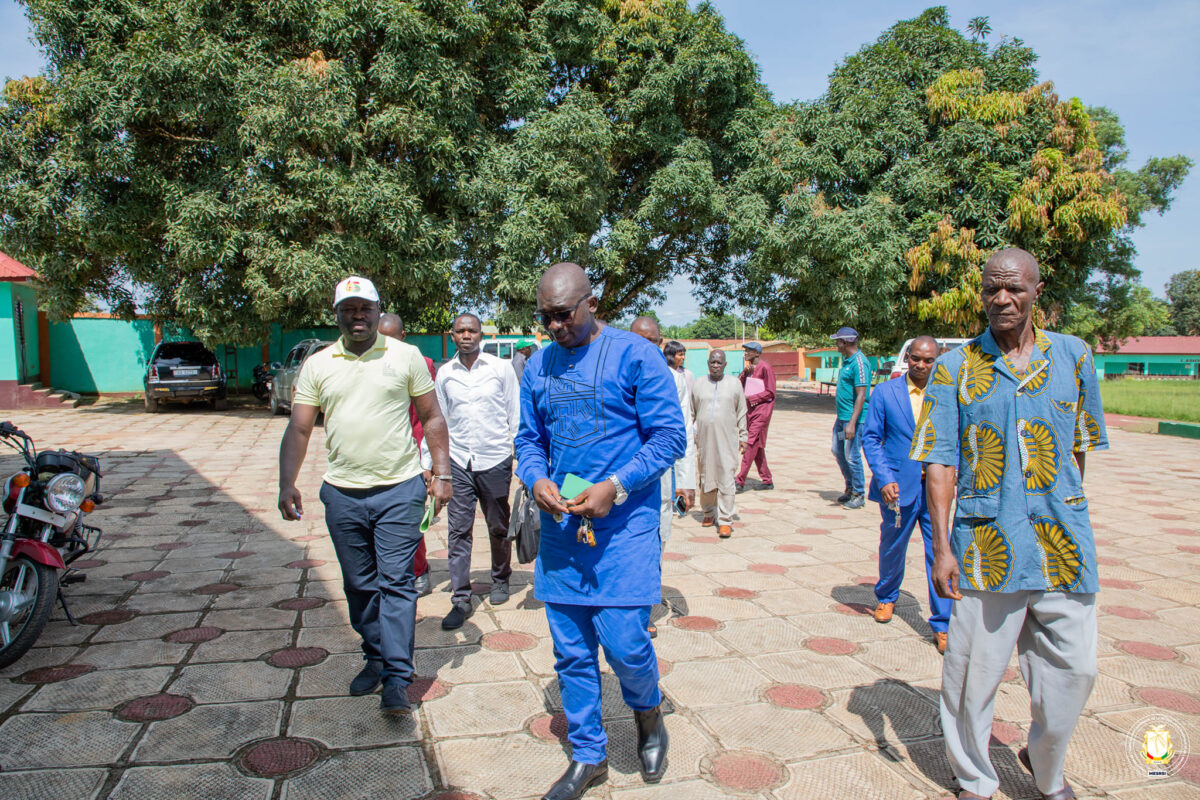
[[721, 436]]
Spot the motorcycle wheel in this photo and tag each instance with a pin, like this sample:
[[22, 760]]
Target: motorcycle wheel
[[260, 392], [25, 575]]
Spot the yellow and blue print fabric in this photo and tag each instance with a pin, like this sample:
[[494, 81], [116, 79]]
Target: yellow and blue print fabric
[[1021, 521]]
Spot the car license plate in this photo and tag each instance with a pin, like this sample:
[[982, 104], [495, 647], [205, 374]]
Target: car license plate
[[184, 373]]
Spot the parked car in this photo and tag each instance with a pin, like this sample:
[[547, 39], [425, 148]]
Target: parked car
[[283, 385], [503, 350], [186, 371], [900, 365]]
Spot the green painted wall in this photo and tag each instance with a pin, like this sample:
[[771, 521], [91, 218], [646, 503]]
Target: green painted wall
[[100, 355], [1160, 365], [92, 356], [28, 359], [8, 339]]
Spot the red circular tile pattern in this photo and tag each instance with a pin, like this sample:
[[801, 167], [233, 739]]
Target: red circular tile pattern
[[300, 604], [736, 593], [453, 794], [747, 772], [664, 667], [1182, 531], [170, 546], [675, 557], [422, 689], [205, 633], [697, 623], [792, 548], [88, 563], [793, 695], [155, 707], [1109, 561], [1153, 652], [768, 569], [235, 554], [439, 553], [1005, 734], [1169, 699], [1189, 548], [550, 728], [812, 531], [277, 757], [508, 641], [147, 575], [113, 617], [829, 646], [312, 537], [1128, 612], [305, 563], [217, 588], [852, 609], [1117, 583], [62, 672], [705, 539], [295, 657], [191, 523]]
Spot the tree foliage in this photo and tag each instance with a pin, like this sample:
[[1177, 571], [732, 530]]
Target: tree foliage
[[1183, 292], [1115, 310], [226, 163], [877, 204]]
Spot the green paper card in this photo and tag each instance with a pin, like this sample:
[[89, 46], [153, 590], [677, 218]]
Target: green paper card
[[428, 520], [573, 486]]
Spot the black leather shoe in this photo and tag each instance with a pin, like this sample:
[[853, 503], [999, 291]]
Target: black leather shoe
[[394, 699], [368, 680], [457, 616], [577, 780], [652, 743], [844, 496]]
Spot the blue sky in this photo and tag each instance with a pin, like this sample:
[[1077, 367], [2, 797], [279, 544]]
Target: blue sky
[[1138, 58]]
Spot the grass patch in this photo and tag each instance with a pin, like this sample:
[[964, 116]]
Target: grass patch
[[1170, 400]]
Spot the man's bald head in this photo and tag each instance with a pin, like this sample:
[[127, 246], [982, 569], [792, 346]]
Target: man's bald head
[[1015, 259], [924, 342], [648, 329], [564, 279], [566, 305], [391, 325]]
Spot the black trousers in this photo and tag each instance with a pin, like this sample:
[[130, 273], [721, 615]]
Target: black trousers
[[489, 488]]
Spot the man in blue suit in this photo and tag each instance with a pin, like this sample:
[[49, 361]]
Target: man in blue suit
[[897, 484]]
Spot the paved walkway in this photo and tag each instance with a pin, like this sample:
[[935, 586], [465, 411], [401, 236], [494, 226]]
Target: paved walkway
[[214, 653]]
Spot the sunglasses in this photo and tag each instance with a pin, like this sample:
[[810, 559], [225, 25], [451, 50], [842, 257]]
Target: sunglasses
[[546, 317]]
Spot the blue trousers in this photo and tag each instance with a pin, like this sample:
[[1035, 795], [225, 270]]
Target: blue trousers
[[893, 546], [576, 631], [849, 454], [375, 533]]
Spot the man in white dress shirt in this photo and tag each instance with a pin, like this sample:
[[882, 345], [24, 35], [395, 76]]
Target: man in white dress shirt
[[481, 400]]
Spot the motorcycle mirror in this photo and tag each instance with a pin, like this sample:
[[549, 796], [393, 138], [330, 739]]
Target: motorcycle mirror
[[276, 365]]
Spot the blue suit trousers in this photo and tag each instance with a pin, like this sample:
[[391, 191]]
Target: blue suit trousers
[[621, 630], [893, 547]]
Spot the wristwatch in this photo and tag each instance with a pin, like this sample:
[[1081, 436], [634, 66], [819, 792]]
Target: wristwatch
[[622, 495]]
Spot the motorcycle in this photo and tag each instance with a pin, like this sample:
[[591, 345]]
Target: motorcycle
[[264, 374], [46, 503]]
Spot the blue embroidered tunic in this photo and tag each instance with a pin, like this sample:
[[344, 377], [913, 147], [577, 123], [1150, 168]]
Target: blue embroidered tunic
[[609, 407], [1021, 521]]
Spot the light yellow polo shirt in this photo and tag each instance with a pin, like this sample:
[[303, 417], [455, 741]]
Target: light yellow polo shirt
[[365, 399]]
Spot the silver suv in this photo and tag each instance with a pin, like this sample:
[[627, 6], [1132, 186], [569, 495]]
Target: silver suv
[[283, 386]]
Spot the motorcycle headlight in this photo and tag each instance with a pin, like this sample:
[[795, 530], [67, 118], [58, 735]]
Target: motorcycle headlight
[[64, 492]]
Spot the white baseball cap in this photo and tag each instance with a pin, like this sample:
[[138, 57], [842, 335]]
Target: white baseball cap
[[355, 286]]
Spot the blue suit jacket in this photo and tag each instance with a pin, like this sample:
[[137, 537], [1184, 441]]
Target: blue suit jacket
[[887, 442]]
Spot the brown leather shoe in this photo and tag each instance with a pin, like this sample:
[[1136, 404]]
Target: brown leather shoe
[[941, 637], [1065, 793], [883, 612], [708, 522], [725, 531]]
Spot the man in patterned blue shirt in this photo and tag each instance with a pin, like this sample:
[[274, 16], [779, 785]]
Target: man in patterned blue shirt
[[1015, 411]]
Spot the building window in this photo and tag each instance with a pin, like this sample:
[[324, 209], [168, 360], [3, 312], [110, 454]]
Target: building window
[[1136, 368]]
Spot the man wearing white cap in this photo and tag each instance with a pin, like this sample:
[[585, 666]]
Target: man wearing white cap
[[374, 493]]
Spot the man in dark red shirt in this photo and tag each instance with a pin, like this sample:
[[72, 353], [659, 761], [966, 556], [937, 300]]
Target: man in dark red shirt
[[758, 382], [391, 325]]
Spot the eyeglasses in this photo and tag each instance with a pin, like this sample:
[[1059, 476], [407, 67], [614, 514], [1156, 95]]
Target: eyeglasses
[[546, 317]]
